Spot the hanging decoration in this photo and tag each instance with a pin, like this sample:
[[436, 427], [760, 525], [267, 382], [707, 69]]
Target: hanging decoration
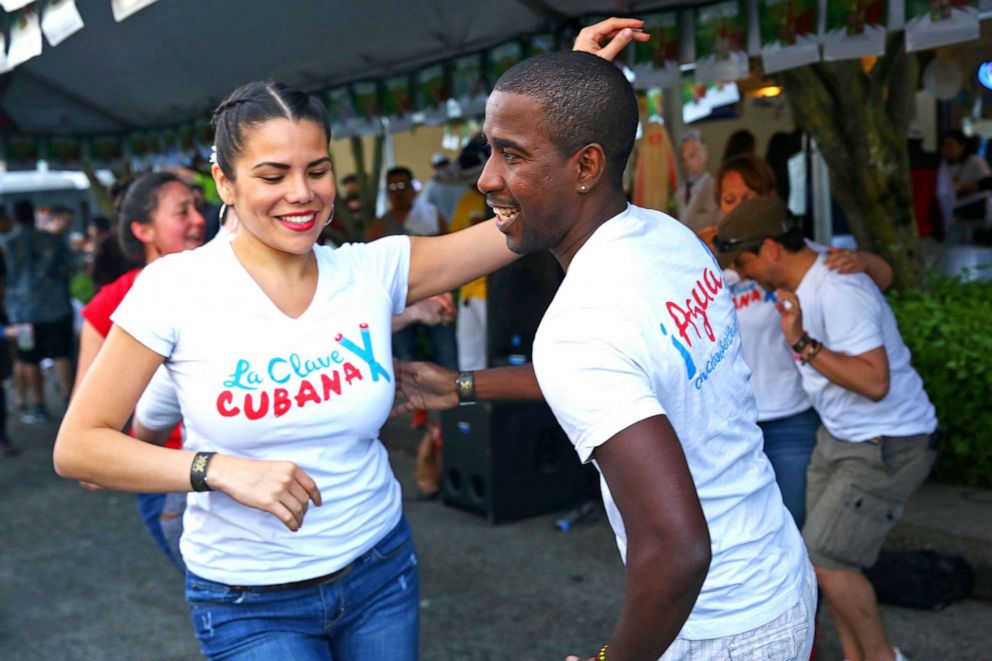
[[21, 152], [4, 64], [468, 86], [541, 44], [501, 58], [60, 21], [105, 151], [125, 8], [25, 37], [656, 62], [933, 23], [13, 5], [432, 94], [721, 33], [787, 29], [853, 28], [454, 93], [699, 100], [64, 153]]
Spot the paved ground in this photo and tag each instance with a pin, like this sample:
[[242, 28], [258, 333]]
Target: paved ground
[[80, 579]]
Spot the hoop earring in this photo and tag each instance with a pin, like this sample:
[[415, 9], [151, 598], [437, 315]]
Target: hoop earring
[[330, 218]]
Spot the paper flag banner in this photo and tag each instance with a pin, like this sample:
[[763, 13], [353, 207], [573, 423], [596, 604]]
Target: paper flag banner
[[14, 5], [656, 62], [60, 21], [932, 23], [25, 37], [124, 8], [854, 28], [721, 34], [787, 29], [503, 57]]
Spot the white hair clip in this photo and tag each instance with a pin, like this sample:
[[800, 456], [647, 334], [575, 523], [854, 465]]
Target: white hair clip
[[213, 154]]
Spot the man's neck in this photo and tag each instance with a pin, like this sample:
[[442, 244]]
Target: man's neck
[[797, 265], [593, 215]]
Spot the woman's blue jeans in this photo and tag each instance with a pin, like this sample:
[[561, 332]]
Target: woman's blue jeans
[[368, 614], [789, 444]]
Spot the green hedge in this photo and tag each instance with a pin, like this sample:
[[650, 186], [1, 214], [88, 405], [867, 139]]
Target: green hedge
[[948, 328]]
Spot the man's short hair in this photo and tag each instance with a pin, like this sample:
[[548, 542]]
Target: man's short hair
[[585, 100], [400, 170], [24, 212], [692, 134]]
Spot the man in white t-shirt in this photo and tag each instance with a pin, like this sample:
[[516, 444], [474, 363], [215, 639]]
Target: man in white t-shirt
[[639, 358], [875, 446]]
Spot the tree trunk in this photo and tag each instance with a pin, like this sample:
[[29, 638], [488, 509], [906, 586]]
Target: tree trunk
[[860, 122]]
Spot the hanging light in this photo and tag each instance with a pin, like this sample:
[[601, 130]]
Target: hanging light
[[767, 92], [985, 74]]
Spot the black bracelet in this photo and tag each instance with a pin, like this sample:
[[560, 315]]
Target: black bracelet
[[805, 360], [198, 471], [465, 387], [803, 342]]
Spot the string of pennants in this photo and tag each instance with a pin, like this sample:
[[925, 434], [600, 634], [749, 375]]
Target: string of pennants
[[720, 38]]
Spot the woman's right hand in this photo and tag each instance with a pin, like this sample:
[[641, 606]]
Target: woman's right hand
[[279, 487]]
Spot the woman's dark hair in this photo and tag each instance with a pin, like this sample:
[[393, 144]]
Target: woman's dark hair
[[756, 173], [110, 262], [139, 203], [958, 136], [254, 104], [739, 143]]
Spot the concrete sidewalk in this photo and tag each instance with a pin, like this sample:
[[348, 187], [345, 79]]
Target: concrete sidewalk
[[80, 578]]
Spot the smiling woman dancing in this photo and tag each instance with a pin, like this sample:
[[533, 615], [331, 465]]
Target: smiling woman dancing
[[281, 363]]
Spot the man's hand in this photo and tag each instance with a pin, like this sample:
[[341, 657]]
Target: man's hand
[[279, 487], [423, 386], [607, 38], [792, 315]]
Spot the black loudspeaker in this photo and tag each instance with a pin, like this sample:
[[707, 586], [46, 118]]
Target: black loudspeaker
[[517, 297], [510, 460]]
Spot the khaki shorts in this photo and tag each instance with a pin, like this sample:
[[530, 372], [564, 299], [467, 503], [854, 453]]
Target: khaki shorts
[[856, 493]]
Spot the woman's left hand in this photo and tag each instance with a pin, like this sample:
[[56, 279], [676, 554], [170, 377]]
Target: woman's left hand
[[615, 32], [845, 261]]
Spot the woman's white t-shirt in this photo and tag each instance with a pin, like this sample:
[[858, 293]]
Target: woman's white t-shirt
[[253, 382], [778, 386]]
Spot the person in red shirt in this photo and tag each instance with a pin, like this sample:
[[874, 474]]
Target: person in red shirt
[[158, 217]]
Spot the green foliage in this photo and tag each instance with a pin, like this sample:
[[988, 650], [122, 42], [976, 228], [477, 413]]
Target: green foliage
[[948, 329]]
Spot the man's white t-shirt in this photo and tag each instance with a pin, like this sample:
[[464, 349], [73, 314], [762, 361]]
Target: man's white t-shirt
[[253, 382], [849, 315], [778, 387], [644, 325]]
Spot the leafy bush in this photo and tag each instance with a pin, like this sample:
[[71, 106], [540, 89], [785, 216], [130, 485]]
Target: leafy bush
[[948, 328]]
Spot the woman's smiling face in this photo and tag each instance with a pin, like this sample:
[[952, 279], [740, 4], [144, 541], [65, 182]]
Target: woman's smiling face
[[283, 187]]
